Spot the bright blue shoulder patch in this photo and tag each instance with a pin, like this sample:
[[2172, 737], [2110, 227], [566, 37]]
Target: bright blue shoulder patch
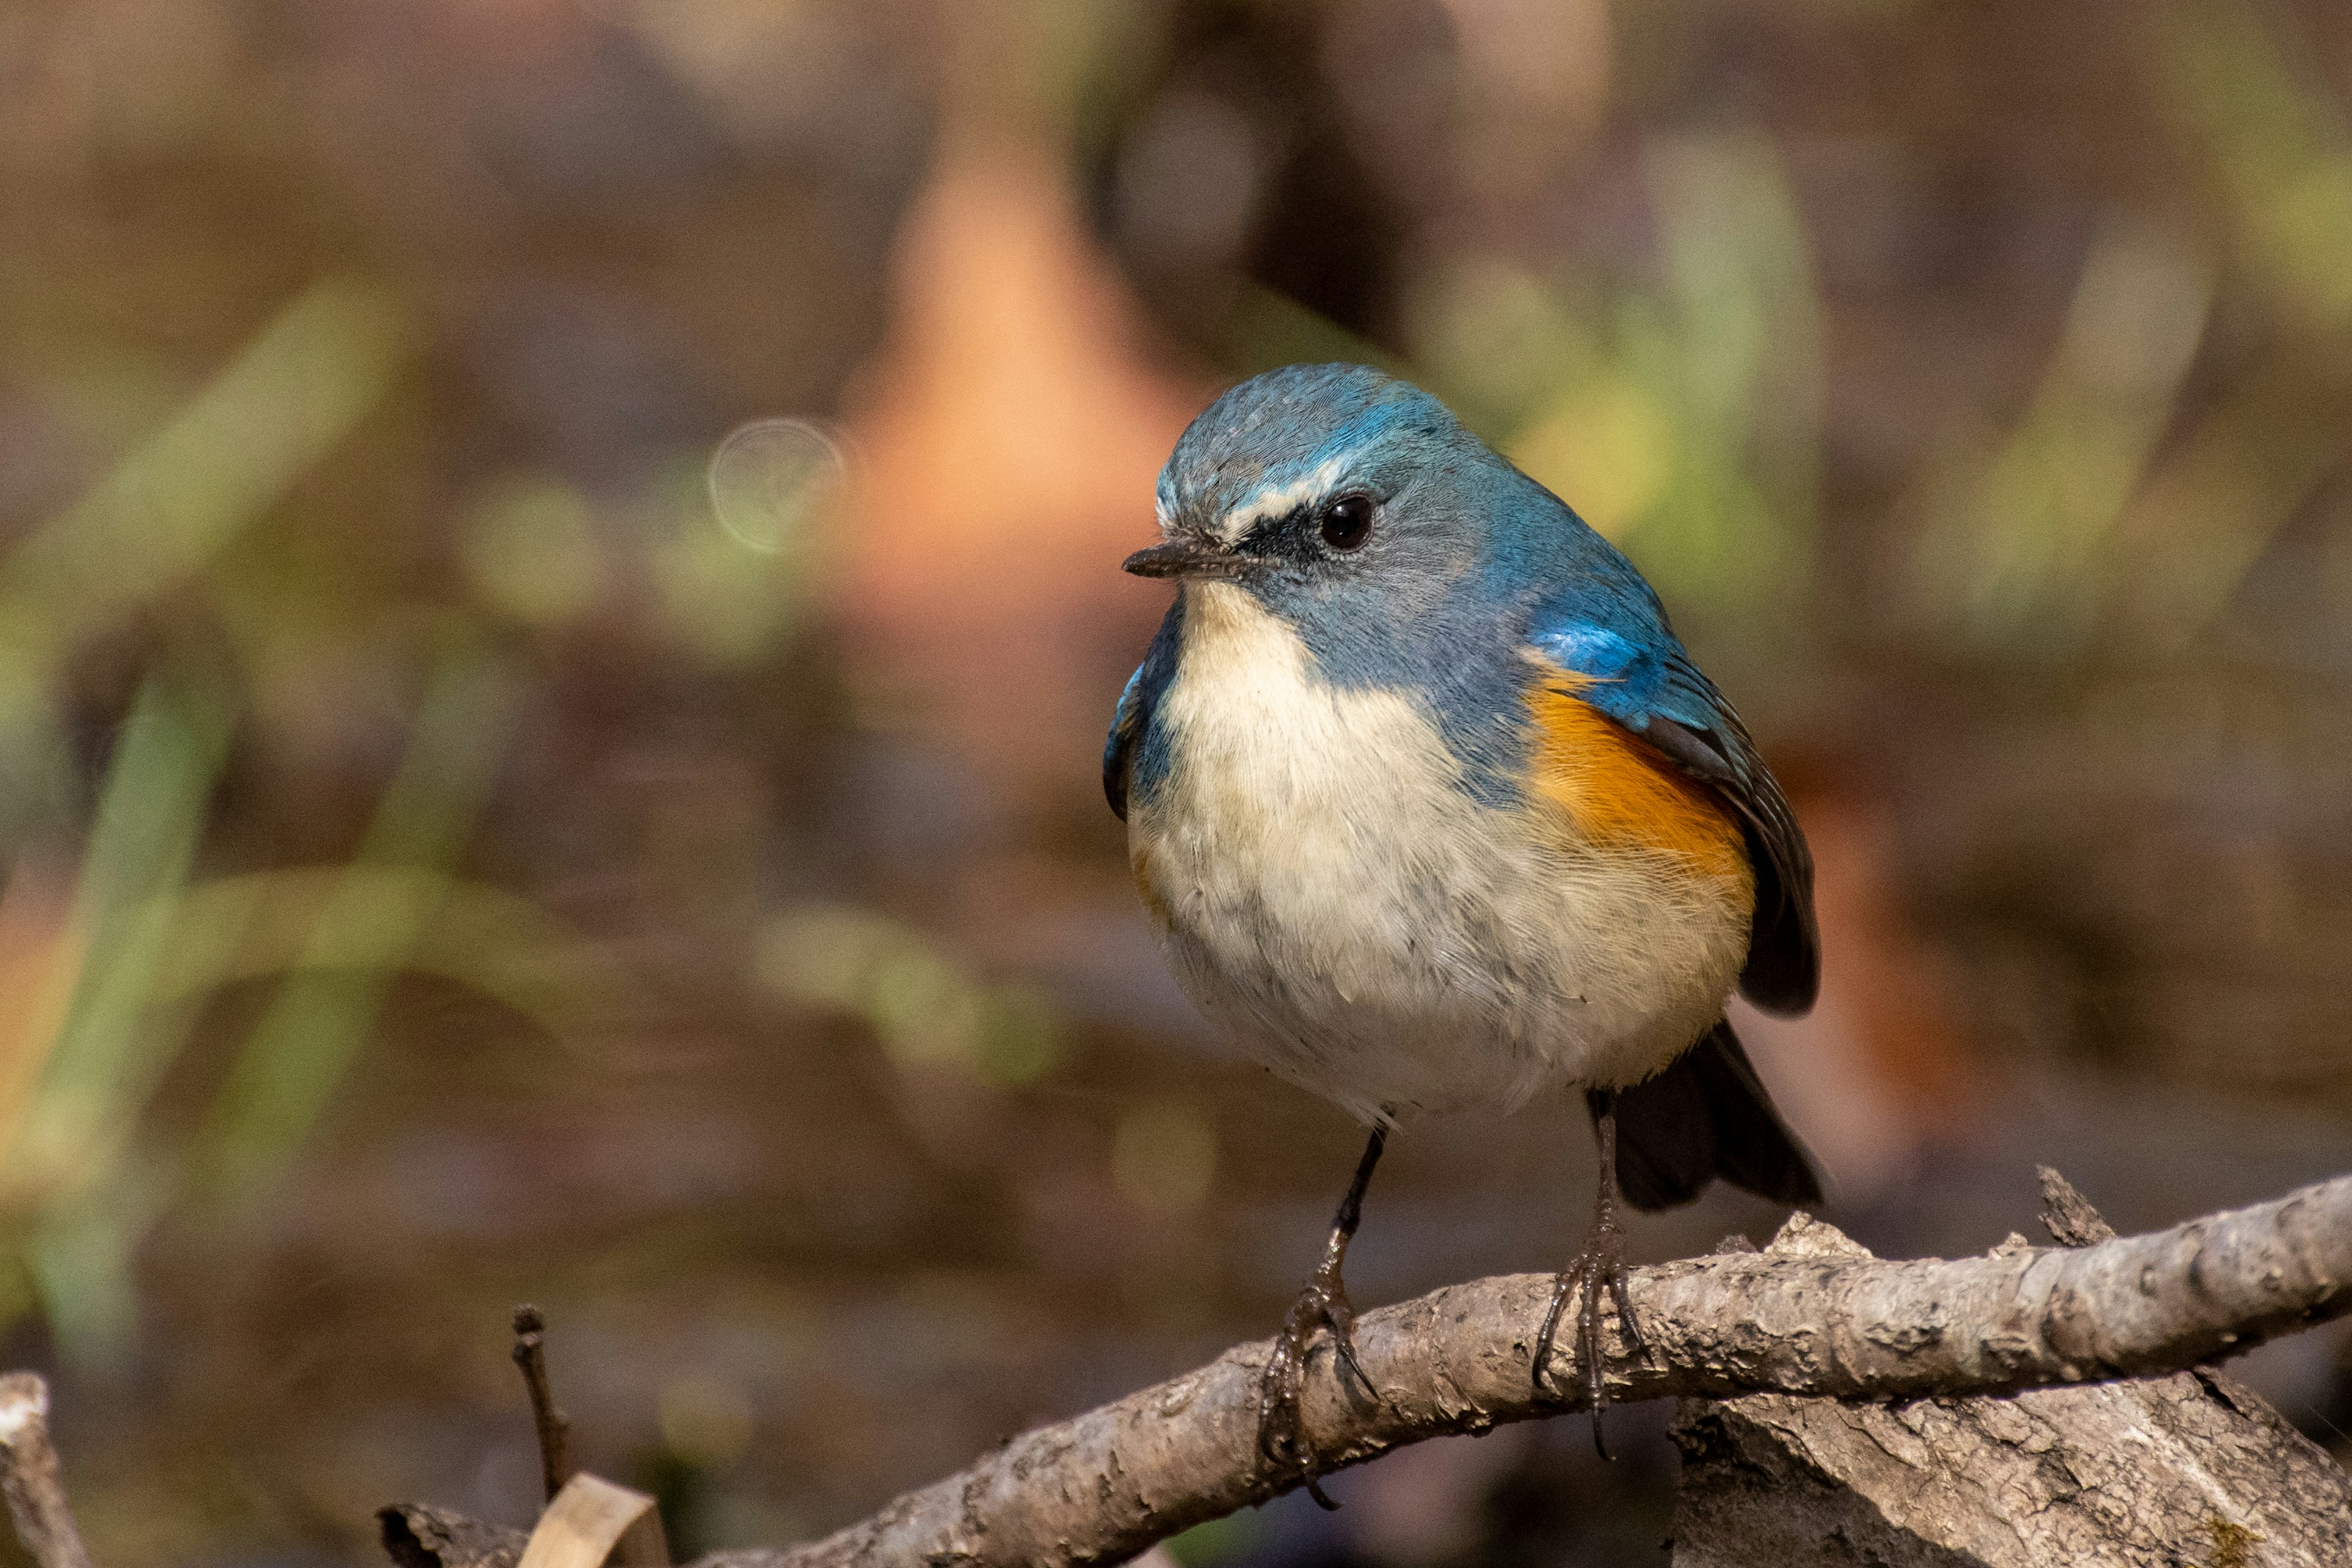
[[1627, 677]]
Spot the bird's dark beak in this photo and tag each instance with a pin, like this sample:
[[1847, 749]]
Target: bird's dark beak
[[1182, 558]]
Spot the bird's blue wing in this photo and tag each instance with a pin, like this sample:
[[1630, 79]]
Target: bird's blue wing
[[1130, 748], [1642, 678]]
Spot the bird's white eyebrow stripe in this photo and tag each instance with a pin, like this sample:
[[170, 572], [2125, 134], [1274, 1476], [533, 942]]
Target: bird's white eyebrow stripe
[[1234, 524]]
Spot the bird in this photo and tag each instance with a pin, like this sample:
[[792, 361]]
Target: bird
[[1431, 810]]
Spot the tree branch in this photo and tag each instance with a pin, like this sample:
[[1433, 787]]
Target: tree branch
[[2188, 1468], [1809, 1317], [30, 1478]]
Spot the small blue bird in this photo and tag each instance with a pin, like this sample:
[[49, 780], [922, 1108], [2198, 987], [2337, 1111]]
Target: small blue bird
[[1431, 810]]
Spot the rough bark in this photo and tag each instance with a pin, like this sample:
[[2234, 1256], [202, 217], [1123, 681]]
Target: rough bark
[[418, 1535], [29, 1476], [2186, 1468], [1819, 1321]]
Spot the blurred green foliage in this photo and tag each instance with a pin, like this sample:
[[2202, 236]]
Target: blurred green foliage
[[116, 983], [1681, 416], [926, 1008]]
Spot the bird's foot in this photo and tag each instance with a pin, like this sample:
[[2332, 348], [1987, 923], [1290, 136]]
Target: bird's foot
[[1601, 1265], [1281, 1428]]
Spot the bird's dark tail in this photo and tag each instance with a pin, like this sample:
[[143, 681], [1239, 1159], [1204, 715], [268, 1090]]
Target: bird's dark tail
[[1706, 1116]]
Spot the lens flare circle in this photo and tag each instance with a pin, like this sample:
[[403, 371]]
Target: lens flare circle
[[771, 479]]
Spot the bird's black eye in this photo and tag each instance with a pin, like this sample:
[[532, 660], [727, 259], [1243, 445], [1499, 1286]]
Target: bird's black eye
[[1347, 522]]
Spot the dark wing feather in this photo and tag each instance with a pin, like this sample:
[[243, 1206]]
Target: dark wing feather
[[1706, 1116], [1119, 748], [1129, 743], [1783, 973]]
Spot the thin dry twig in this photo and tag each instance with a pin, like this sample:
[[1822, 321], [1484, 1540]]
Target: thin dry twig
[[554, 1427], [30, 1478]]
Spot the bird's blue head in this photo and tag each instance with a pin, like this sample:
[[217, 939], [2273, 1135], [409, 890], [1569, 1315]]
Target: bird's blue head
[[1358, 511]]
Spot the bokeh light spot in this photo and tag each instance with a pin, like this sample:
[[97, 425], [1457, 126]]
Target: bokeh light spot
[[1019, 1040], [531, 550], [772, 480]]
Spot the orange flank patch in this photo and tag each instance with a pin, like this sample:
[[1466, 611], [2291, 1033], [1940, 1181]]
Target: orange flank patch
[[1619, 792]]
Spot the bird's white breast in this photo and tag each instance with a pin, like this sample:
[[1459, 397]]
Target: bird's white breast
[[1328, 891]]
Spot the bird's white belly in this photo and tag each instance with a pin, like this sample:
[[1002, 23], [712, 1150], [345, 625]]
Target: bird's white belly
[[1329, 893]]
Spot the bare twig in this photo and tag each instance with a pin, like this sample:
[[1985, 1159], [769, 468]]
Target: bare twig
[[1795, 1320], [554, 1428], [30, 1478]]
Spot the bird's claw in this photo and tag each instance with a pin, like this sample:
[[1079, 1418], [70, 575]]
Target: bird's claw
[[1601, 1265], [1281, 1428]]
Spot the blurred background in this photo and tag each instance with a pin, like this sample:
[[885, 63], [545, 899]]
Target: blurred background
[[559, 601]]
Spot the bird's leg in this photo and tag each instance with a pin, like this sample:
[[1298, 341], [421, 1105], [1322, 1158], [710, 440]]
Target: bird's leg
[[1281, 1433], [1601, 1265]]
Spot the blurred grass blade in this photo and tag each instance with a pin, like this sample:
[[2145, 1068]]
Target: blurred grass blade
[[150, 818], [1693, 435], [81, 1252], [303, 1046], [1735, 521], [261, 923], [1738, 272], [40, 964], [230, 453], [2018, 545], [2217, 502], [2258, 106], [107, 1055]]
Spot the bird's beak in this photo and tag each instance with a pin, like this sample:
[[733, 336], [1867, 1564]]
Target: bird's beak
[[1182, 558]]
